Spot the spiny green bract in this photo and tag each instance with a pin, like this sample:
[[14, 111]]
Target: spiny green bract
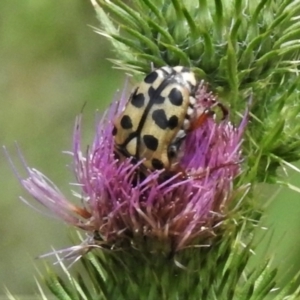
[[198, 273], [232, 44]]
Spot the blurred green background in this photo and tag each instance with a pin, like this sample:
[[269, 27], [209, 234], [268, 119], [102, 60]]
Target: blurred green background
[[51, 63]]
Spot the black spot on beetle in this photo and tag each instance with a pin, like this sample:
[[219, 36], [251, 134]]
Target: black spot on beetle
[[150, 78], [150, 141], [160, 118], [151, 92], [157, 164], [159, 99], [175, 97], [156, 99], [114, 131], [138, 100], [126, 122], [173, 122]]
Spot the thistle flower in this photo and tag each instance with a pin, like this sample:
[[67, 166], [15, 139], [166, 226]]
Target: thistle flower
[[119, 211], [200, 222]]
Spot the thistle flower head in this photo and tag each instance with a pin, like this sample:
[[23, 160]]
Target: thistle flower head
[[119, 210]]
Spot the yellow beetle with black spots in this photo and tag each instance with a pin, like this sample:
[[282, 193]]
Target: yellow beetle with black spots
[[157, 117]]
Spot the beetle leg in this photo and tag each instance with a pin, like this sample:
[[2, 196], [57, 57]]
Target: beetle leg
[[201, 119], [224, 110]]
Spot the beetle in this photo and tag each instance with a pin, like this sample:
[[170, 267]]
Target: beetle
[[157, 117]]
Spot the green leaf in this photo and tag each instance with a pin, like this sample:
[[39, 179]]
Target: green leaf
[[58, 287]]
